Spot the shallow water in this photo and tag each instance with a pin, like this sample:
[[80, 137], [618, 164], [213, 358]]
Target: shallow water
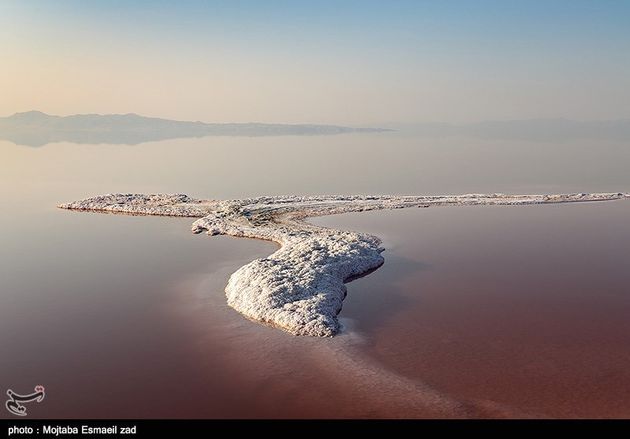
[[519, 311], [479, 311]]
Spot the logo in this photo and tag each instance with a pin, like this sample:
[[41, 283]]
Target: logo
[[14, 403]]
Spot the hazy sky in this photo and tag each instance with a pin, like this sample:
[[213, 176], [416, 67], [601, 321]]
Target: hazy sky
[[345, 62]]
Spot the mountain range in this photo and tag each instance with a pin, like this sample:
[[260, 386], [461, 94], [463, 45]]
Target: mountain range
[[34, 128], [538, 130]]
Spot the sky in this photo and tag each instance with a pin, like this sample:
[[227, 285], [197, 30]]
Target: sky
[[342, 62]]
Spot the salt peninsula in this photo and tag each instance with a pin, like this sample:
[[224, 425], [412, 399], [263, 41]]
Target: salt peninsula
[[300, 287]]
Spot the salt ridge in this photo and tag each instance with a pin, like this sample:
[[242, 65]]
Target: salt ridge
[[300, 287]]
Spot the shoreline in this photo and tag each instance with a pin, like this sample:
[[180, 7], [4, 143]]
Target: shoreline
[[301, 286]]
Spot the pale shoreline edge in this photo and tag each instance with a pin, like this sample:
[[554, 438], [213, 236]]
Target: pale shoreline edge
[[300, 287]]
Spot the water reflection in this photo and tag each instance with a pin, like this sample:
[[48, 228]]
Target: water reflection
[[34, 128]]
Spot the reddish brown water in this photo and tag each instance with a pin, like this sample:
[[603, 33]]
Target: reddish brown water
[[522, 311], [478, 311]]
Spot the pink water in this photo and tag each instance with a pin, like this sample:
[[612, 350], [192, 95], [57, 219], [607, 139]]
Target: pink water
[[477, 312]]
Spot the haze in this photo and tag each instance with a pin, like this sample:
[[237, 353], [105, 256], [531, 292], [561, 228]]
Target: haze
[[347, 63]]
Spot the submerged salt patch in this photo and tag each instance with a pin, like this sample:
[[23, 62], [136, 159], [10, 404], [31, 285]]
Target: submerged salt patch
[[300, 287]]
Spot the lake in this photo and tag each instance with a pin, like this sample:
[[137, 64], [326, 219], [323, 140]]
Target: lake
[[477, 312]]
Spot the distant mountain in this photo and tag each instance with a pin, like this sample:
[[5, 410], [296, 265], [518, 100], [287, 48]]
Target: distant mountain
[[34, 128], [529, 129]]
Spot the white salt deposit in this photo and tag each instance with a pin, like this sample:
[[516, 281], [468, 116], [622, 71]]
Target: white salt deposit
[[300, 287]]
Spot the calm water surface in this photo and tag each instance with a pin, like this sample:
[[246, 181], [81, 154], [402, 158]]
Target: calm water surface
[[480, 311]]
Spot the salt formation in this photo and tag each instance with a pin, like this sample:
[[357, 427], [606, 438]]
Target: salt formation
[[300, 287]]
